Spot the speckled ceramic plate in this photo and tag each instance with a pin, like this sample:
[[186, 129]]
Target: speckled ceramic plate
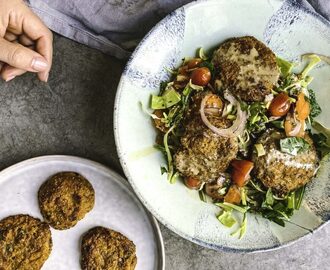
[[290, 30], [116, 207]]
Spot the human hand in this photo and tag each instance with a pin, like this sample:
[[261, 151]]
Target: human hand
[[25, 42]]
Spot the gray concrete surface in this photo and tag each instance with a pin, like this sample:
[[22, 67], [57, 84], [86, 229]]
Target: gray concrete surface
[[72, 115]]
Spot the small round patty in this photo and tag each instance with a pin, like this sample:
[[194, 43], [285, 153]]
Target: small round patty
[[202, 154], [247, 68], [281, 171], [65, 198], [105, 249], [25, 243]]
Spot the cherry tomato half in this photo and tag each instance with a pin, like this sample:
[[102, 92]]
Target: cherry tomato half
[[280, 105], [201, 76], [192, 182], [241, 171], [214, 101], [192, 63]]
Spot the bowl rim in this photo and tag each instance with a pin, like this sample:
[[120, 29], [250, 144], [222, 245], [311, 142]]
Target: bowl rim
[[217, 247]]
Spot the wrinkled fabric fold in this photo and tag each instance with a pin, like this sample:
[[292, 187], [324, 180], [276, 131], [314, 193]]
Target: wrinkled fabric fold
[[116, 26]]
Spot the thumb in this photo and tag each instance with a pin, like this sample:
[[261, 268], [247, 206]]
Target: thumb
[[21, 57]]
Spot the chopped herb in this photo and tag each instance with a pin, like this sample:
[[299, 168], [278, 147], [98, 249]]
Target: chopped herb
[[163, 170], [315, 107], [162, 87], [278, 124], [294, 145], [299, 194], [257, 119], [226, 218]]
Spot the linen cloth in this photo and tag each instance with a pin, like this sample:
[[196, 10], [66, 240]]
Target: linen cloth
[[116, 26]]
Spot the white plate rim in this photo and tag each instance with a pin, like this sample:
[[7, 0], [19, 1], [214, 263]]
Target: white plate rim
[[130, 179]]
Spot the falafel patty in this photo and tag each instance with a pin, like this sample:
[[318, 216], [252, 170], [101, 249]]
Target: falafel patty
[[105, 249], [65, 198], [203, 154], [247, 68], [25, 243], [281, 171]]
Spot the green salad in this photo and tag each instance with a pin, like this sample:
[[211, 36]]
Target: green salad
[[236, 125]]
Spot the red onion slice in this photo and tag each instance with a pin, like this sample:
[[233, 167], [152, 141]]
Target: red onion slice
[[239, 124]]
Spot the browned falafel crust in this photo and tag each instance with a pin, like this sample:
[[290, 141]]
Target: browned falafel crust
[[65, 198], [106, 249], [25, 243], [247, 68], [280, 171], [203, 154]]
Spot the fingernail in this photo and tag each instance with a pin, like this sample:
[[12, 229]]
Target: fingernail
[[10, 78], [39, 64], [46, 77]]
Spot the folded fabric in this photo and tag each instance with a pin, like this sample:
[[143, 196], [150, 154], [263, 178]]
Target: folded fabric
[[116, 26]]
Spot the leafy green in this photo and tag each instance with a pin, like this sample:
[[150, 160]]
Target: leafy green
[[294, 145], [202, 195], [162, 87], [168, 99], [298, 195], [270, 206], [243, 196], [278, 124], [285, 66], [163, 170], [202, 54], [313, 60], [257, 119], [226, 218], [321, 139], [315, 107], [269, 197], [171, 174], [229, 206]]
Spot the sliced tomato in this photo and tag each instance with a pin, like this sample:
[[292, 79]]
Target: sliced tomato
[[193, 63], [280, 105], [302, 107], [241, 171], [192, 182], [233, 195], [201, 76]]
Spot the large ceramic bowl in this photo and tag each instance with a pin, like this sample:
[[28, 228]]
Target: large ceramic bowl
[[290, 30]]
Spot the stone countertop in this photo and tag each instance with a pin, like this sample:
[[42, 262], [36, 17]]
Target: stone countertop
[[72, 115]]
